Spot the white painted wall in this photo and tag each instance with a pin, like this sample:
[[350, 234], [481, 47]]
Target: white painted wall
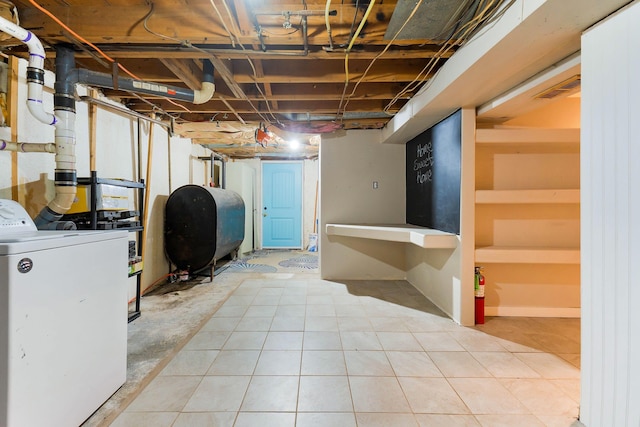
[[241, 178], [309, 177], [311, 200], [348, 167], [610, 228]]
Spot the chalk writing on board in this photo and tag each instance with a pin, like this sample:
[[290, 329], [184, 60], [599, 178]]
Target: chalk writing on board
[[432, 175], [423, 164]]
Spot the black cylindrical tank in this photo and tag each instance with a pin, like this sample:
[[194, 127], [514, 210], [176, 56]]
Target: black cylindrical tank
[[202, 225]]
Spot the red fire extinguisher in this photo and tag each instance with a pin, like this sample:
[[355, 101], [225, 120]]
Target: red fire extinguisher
[[479, 294]]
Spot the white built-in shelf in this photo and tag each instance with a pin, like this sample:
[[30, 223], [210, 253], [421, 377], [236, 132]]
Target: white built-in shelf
[[419, 236], [527, 136], [527, 196], [527, 255]]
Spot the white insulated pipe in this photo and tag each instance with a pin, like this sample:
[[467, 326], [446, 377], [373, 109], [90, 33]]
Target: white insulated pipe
[[205, 93], [65, 173], [64, 122]]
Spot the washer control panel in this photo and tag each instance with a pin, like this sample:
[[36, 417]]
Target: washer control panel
[[14, 218]]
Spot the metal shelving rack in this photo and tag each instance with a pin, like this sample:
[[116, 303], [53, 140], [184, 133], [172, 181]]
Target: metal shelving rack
[[93, 182]]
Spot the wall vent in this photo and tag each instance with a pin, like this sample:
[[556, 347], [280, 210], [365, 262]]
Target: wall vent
[[567, 87]]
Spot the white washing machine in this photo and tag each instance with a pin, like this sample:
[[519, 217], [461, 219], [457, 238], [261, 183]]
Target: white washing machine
[[63, 321]]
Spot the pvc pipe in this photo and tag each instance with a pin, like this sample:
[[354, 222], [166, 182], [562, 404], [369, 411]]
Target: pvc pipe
[[27, 147], [35, 70], [65, 176], [65, 140]]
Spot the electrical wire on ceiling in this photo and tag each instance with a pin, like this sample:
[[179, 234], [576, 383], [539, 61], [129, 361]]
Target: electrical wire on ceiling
[[154, 107], [353, 22], [273, 33], [255, 73], [458, 37], [459, 31], [253, 68], [346, 56], [489, 10], [235, 41], [454, 20], [236, 30], [232, 37], [97, 49], [145, 24], [77, 36], [233, 34], [327, 23], [342, 109], [494, 8]]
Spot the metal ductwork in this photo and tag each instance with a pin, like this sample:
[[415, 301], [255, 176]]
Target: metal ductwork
[[104, 80]]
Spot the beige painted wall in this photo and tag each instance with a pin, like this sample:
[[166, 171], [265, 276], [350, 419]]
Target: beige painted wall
[[445, 276], [348, 167], [564, 113], [436, 274]]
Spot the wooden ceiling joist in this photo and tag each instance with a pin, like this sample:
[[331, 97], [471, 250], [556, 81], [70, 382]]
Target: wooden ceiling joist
[[186, 70], [266, 67]]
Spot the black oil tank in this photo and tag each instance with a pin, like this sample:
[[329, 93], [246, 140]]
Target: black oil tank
[[202, 225]]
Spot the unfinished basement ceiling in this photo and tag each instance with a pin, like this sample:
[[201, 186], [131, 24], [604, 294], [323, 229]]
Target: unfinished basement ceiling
[[284, 69]]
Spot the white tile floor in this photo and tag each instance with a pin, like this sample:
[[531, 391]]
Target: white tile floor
[[300, 351]]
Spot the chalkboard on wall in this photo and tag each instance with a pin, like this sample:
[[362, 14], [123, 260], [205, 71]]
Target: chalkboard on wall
[[433, 176]]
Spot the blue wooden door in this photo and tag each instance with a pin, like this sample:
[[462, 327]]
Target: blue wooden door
[[282, 205]]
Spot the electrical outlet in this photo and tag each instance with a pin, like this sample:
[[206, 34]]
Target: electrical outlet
[[375, 185]]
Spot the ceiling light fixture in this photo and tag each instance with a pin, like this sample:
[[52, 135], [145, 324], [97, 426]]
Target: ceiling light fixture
[[294, 144]]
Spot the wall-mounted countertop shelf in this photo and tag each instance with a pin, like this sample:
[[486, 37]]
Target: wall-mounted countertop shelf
[[527, 255], [527, 196], [407, 233]]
